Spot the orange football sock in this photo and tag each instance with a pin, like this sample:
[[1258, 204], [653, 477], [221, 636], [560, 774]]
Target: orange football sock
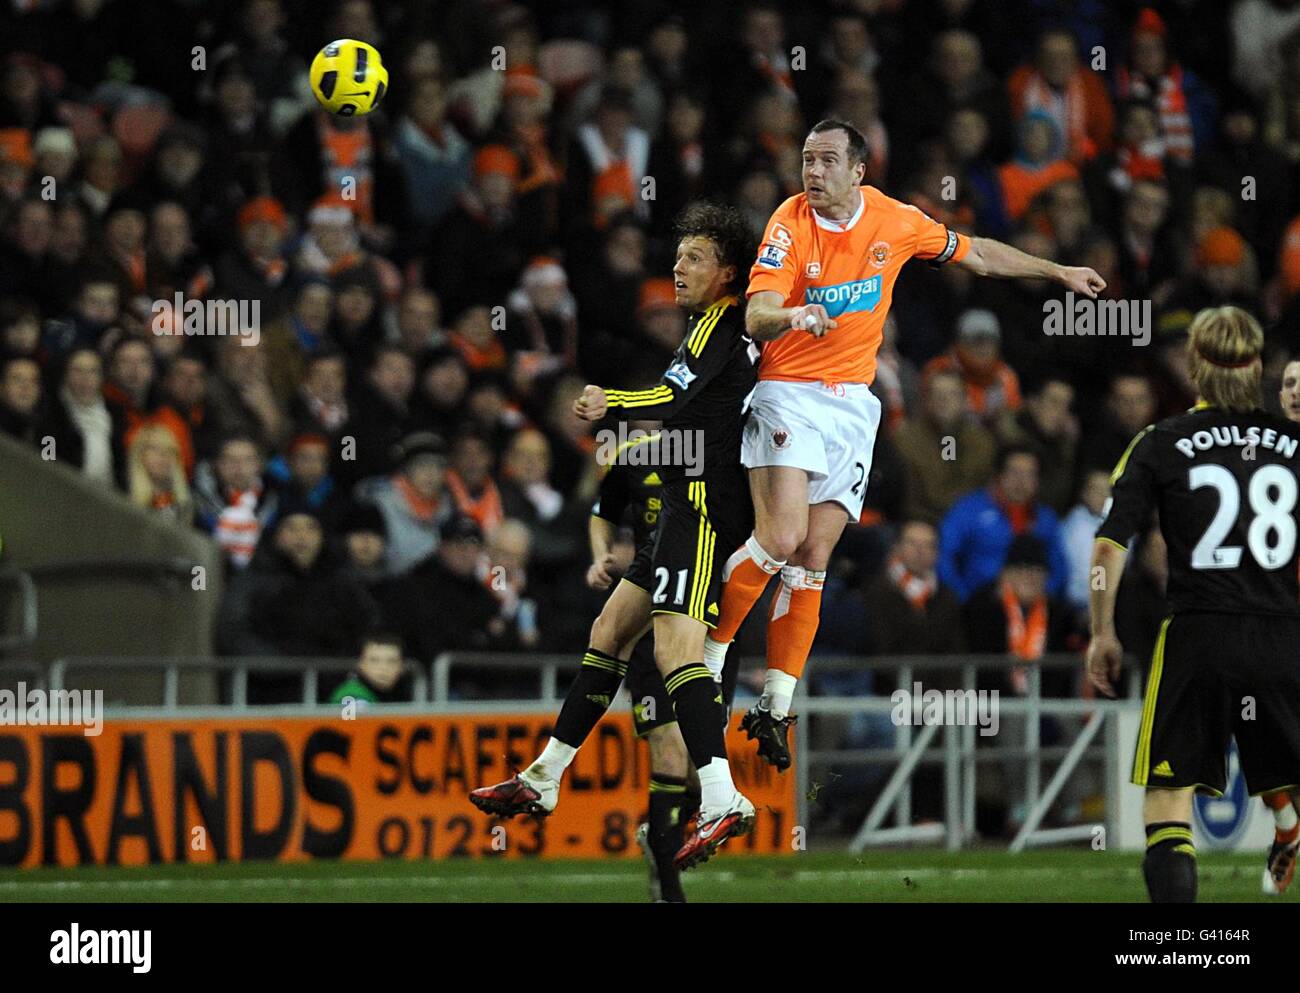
[[792, 625], [1276, 801], [744, 577]]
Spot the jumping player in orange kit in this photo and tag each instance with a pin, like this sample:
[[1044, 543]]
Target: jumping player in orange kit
[[818, 296]]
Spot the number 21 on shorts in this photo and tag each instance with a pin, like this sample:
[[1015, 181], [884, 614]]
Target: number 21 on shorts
[[663, 576]]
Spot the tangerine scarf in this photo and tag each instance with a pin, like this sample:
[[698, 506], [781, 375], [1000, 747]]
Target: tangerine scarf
[[1021, 515], [485, 508], [917, 589], [1026, 635], [421, 508]]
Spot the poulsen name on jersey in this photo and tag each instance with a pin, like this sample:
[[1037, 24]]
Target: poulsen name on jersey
[[1232, 436]]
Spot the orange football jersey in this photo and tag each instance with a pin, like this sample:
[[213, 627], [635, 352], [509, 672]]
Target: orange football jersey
[[849, 268]]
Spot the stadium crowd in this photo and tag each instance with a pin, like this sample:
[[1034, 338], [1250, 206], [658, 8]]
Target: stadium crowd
[[437, 281]]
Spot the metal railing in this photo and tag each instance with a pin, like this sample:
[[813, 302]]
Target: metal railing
[[240, 667], [424, 690], [19, 644], [954, 747], [546, 668], [960, 754]]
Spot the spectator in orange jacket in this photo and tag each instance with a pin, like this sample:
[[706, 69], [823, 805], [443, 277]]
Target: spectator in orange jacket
[[1039, 164], [992, 386], [1060, 84]]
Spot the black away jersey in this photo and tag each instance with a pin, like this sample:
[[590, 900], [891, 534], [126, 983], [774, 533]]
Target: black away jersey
[[629, 493], [700, 398], [1225, 487]]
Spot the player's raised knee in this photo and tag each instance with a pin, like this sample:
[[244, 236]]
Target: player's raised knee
[[812, 555], [780, 539]]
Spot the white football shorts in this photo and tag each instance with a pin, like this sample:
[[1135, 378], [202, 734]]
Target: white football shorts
[[828, 430]]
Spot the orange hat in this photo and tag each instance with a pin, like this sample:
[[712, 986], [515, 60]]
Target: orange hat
[[1149, 22], [543, 270], [16, 146], [496, 159], [262, 208], [656, 293], [1221, 246]]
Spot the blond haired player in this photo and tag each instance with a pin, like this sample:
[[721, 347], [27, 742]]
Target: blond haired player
[[1279, 867], [818, 294], [1222, 478]]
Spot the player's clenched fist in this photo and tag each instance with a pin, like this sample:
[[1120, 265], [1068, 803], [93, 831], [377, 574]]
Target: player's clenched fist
[[592, 404], [1082, 280], [600, 574], [1104, 661], [811, 317]]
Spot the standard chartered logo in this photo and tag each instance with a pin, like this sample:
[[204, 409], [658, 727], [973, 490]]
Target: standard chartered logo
[[857, 294]]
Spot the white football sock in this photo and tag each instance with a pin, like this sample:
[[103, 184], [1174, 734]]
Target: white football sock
[[751, 549], [555, 758], [778, 691], [715, 656], [716, 787], [1285, 818]]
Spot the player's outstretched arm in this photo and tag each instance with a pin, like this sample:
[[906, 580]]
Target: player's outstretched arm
[[1105, 654], [766, 319], [701, 357], [988, 257]]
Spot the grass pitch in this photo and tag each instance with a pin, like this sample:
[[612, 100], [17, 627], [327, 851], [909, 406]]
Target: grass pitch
[[913, 876]]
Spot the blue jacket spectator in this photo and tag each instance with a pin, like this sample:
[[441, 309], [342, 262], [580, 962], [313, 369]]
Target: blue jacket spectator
[[976, 533]]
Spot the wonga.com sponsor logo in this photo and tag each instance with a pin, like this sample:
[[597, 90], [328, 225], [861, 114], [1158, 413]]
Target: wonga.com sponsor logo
[[841, 298]]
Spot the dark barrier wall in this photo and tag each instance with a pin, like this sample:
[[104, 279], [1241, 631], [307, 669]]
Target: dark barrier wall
[[91, 554]]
